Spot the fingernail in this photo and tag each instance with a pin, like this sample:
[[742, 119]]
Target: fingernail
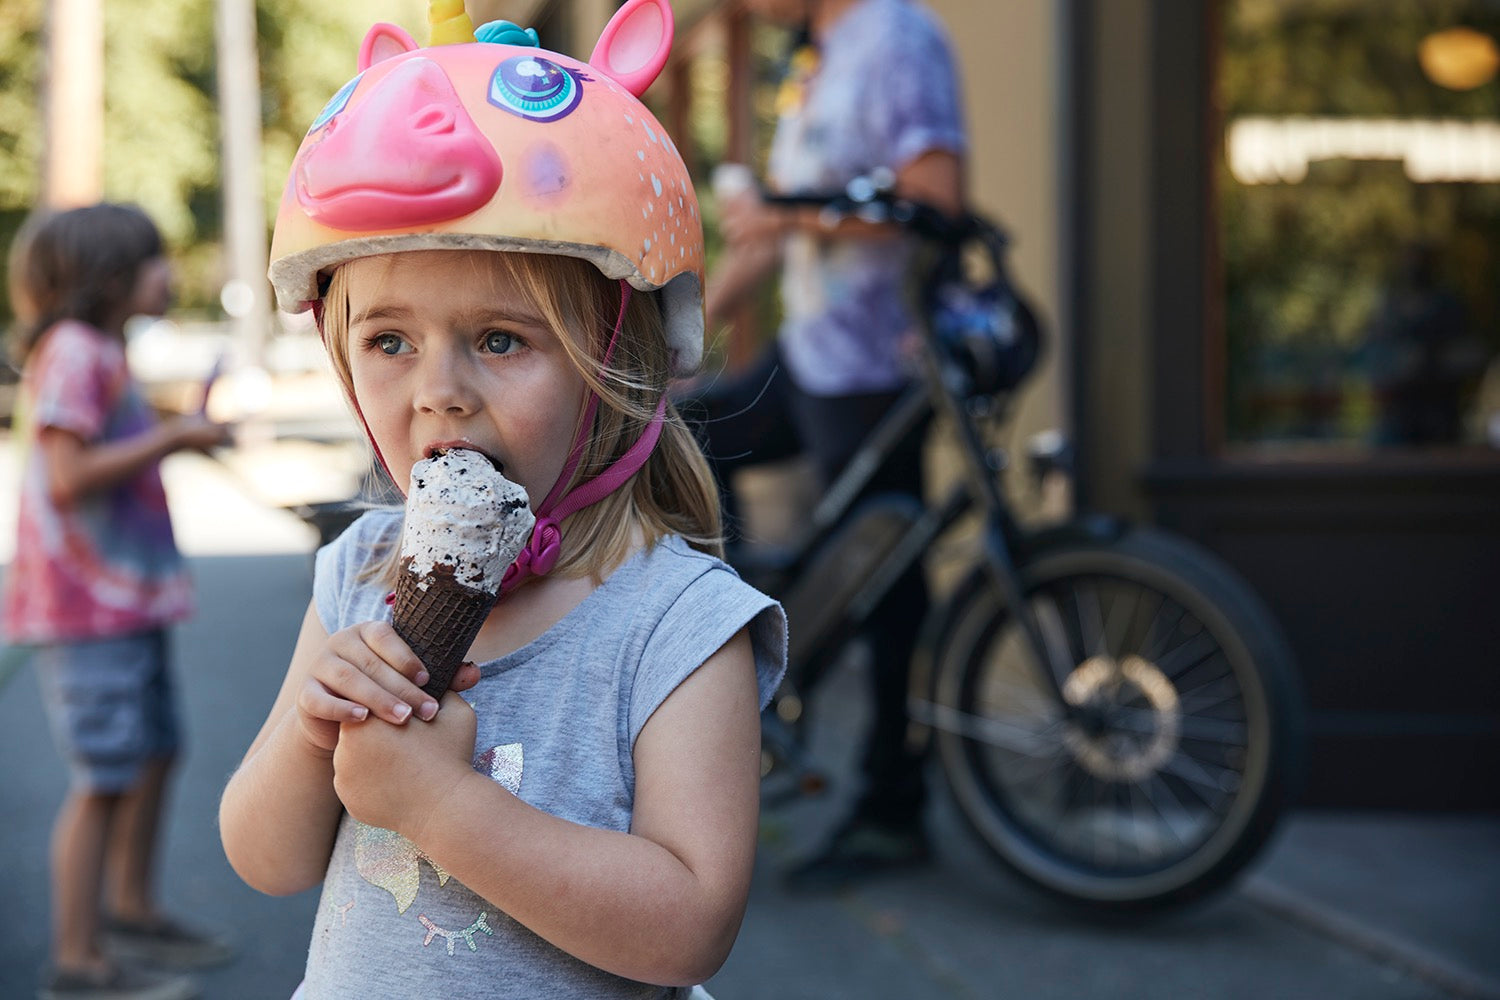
[[422, 677], [427, 711], [360, 713], [402, 712]]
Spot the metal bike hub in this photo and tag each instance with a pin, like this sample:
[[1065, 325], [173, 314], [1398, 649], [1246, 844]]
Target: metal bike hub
[[1126, 719]]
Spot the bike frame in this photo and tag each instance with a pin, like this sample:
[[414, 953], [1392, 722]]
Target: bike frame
[[1208, 708], [1003, 538]]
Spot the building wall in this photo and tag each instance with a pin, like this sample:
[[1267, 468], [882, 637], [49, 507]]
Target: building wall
[[1374, 566], [1009, 56], [1113, 195]]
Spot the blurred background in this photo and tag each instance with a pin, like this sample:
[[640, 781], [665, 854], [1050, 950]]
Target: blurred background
[[1265, 235]]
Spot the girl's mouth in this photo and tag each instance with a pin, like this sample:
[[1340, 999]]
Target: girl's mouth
[[443, 448]]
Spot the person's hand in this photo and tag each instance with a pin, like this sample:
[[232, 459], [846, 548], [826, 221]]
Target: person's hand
[[747, 220], [194, 430], [366, 670], [738, 273], [396, 777]]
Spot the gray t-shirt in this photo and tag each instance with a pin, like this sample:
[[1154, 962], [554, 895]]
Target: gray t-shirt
[[558, 720]]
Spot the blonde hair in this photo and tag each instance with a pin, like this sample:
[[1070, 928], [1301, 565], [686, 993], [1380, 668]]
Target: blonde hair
[[674, 492]]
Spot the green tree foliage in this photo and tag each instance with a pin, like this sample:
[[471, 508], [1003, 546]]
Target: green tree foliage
[[20, 139], [161, 128]]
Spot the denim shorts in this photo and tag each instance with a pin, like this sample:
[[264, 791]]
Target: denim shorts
[[110, 705]]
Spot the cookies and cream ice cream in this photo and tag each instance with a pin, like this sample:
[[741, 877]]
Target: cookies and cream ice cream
[[462, 514]]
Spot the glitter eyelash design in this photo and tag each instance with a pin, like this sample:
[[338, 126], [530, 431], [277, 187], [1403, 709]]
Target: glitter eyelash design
[[433, 930]]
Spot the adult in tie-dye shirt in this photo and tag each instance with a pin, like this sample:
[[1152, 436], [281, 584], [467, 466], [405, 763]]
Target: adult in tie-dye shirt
[[876, 89], [95, 581]]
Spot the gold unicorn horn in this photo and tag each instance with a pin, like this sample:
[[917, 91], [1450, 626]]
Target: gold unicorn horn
[[449, 22]]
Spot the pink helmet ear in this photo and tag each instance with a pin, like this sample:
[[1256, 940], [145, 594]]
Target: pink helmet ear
[[382, 42], [633, 47]]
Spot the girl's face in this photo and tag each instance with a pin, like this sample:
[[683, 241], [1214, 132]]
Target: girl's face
[[153, 288], [444, 351]]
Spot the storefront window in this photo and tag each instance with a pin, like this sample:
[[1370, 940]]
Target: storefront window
[[1359, 212]]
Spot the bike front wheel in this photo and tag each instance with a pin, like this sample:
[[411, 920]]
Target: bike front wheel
[[1158, 763]]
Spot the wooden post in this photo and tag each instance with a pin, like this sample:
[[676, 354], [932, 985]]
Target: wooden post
[[73, 104], [247, 293], [739, 148]]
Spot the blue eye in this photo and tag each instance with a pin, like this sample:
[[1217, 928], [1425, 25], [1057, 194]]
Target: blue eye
[[534, 88], [498, 342], [388, 343], [335, 105]]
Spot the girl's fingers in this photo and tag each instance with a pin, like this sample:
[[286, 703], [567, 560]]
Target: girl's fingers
[[467, 676], [317, 702], [371, 666], [320, 714], [383, 640]]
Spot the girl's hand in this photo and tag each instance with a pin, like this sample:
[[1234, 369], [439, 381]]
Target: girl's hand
[[366, 669], [194, 430], [396, 777]]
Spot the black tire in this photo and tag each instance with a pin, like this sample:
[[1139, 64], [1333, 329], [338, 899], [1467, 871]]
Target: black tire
[[1177, 746]]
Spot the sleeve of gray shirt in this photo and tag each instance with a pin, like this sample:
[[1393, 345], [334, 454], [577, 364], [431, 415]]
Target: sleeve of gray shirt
[[706, 615]]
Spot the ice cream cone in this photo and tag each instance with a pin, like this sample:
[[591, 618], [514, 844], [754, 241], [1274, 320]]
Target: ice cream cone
[[439, 618], [465, 523]]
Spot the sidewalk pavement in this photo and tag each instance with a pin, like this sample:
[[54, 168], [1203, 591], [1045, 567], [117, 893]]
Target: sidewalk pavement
[[1348, 905]]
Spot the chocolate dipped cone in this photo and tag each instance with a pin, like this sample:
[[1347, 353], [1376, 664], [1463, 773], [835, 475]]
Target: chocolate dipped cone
[[439, 618], [465, 523]]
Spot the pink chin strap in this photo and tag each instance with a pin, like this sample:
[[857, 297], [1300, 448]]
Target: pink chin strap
[[542, 551]]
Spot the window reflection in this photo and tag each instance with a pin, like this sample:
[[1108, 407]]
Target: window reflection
[[1359, 200]]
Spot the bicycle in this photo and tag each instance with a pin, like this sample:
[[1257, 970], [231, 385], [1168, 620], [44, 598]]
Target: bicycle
[[1114, 710]]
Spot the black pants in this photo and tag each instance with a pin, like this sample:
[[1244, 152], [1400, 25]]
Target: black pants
[[761, 416]]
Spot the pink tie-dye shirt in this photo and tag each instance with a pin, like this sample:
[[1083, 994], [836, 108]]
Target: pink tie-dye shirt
[[107, 564]]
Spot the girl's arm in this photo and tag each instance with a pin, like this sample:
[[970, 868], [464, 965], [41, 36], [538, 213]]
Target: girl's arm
[[279, 814], [76, 468], [739, 273], [934, 178], [660, 904]]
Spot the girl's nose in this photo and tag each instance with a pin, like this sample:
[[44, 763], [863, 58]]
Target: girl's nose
[[444, 385]]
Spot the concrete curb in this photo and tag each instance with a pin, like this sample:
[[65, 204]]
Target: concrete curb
[[1389, 949]]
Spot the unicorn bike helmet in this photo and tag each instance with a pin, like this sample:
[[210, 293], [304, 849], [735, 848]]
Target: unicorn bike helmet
[[485, 141]]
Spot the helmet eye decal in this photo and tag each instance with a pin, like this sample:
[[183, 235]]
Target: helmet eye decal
[[535, 88], [335, 105]]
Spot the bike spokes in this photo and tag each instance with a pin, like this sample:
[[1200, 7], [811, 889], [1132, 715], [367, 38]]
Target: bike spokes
[[1141, 762]]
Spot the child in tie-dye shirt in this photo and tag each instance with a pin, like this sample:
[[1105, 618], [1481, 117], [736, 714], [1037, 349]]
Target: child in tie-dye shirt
[[95, 581]]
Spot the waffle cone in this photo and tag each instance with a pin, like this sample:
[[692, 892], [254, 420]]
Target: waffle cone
[[439, 618]]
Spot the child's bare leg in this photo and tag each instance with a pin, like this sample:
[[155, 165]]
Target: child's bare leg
[[78, 846], [130, 861]]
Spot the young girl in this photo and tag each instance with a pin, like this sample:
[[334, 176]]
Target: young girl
[[503, 251], [95, 582]]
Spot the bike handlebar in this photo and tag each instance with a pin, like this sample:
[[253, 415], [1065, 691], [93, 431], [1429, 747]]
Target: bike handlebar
[[873, 198], [983, 325]]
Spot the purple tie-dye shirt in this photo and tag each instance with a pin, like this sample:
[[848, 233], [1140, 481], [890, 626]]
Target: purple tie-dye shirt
[[106, 564], [886, 91]]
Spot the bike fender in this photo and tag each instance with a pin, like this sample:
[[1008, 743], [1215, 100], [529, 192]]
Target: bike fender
[[1089, 528]]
